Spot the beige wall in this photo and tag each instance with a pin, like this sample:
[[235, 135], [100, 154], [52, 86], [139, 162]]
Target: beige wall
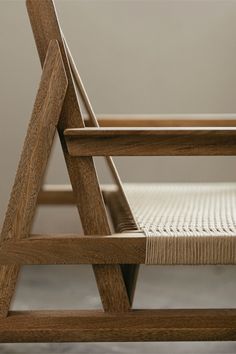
[[134, 57]]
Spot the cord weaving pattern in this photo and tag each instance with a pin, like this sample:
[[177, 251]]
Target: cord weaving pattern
[[193, 223]]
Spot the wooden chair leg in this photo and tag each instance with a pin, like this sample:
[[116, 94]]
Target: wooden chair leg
[[93, 216], [8, 279], [35, 154]]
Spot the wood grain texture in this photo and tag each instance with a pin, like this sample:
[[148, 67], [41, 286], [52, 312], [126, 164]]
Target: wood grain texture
[[82, 172], [75, 249], [151, 141], [136, 325], [34, 157], [167, 120]]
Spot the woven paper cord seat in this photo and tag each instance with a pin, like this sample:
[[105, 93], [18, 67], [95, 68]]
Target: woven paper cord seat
[[184, 223]]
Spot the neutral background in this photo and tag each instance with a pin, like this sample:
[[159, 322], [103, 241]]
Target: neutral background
[[135, 57]]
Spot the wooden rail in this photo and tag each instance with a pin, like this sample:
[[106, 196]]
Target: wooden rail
[[151, 141], [56, 195], [135, 325], [62, 194], [75, 249]]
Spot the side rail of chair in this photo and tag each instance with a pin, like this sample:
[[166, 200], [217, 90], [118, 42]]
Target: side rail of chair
[[159, 141]]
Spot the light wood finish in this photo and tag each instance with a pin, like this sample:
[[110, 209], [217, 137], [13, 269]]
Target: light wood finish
[[32, 164], [167, 120], [136, 325], [151, 141], [82, 172]]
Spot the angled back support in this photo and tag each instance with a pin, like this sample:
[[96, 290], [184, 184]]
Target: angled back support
[[82, 171]]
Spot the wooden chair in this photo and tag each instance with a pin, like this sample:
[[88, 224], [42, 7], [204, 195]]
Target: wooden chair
[[161, 224]]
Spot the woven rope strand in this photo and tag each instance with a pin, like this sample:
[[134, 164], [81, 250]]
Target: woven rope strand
[[186, 223]]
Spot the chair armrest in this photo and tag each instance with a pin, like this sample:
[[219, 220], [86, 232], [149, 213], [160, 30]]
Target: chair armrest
[[189, 141]]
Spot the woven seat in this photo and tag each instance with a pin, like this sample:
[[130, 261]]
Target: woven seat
[[191, 223]]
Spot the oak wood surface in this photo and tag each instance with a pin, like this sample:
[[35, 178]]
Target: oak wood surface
[[82, 172], [135, 325], [124, 248], [210, 141], [34, 157]]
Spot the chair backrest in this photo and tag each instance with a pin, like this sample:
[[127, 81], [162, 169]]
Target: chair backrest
[[45, 26]]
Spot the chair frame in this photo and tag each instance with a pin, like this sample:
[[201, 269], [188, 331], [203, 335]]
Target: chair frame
[[115, 257]]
